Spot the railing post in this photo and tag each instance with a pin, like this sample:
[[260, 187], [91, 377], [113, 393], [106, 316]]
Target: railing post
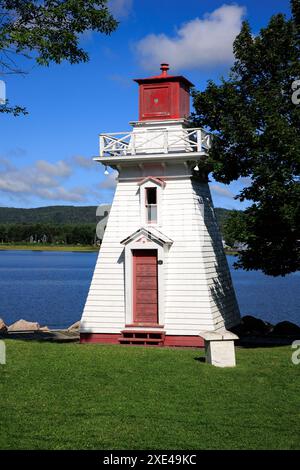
[[199, 140], [133, 150], [101, 145], [208, 141], [166, 141]]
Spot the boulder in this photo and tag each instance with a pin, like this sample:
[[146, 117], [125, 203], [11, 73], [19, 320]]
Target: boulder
[[3, 327], [286, 328], [23, 326], [44, 329], [250, 326], [74, 327]]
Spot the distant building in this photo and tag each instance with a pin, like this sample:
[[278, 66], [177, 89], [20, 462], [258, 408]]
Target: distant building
[[240, 246]]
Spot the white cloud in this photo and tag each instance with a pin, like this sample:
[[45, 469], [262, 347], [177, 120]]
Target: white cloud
[[10, 185], [199, 43], [41, 179], [60, 168], [109, 182], [5, 164], [62, 194], [120, 8], [51, 181], [221, 191], [82, 162]]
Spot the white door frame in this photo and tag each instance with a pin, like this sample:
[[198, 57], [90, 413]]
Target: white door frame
[[161, 252]]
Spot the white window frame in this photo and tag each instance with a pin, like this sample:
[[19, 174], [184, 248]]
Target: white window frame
[[143, 208]]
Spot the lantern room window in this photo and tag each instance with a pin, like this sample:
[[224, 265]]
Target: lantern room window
[[151, 205]]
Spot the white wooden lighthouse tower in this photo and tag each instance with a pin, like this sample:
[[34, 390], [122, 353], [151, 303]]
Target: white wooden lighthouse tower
[[161, 276]]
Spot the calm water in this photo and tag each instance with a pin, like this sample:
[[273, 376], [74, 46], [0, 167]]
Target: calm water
[[51, 288]]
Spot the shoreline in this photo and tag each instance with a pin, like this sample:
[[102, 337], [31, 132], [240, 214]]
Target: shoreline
[[72, 248], [251, 332], [66, 248]]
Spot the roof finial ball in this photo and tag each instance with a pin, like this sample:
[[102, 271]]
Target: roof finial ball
[[164, 69]]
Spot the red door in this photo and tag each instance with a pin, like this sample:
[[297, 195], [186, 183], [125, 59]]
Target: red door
[[145, 291]]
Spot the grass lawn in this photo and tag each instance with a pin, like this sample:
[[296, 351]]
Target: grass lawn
[[44, 247], [71, 396]]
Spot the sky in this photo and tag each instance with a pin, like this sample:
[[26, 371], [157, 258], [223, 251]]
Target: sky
[[46, 156]]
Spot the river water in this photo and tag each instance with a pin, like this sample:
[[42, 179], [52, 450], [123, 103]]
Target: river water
[[51, 288]]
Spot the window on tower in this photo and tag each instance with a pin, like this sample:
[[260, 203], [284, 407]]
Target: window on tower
[[151, 205]]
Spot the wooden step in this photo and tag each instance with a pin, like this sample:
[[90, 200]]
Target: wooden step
[[143, 325], [142, 337], [145, 342]]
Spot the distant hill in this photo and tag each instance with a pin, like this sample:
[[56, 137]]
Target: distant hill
[[51, 214], [222, 215], [67, 215]]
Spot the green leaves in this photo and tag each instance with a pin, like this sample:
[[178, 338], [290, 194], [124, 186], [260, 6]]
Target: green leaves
[[14, 110], [257, 129], [48, 31], [51, 28]]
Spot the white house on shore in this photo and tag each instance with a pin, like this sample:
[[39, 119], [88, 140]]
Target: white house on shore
[[161, 276]]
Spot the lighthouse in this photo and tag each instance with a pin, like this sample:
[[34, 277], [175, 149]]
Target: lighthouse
[[161, 276]]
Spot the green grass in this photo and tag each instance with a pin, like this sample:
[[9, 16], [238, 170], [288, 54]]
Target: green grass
[[71, 396], [231, 252], [44, 247]]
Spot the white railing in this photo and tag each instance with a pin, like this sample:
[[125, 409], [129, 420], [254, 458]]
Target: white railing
[[154, 141]]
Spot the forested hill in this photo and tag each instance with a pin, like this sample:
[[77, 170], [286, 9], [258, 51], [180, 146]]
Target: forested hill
[[65, 215], [222, 216], [49, 215]]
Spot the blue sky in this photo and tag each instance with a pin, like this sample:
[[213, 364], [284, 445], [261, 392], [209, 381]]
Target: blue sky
[[46, 156]]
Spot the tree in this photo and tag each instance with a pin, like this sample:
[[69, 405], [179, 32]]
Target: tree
[[71, 234], [48, 31], [256, 131], [234, 228]]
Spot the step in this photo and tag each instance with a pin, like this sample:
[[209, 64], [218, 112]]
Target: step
[[153, 338], [143, 325], [145, 341]]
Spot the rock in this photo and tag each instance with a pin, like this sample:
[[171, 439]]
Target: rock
[[252, 326], [286, 328], [23, 326], [3, 327], [74, 327], [44, 329]]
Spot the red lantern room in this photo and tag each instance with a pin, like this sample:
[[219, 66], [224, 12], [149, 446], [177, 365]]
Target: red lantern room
[[164, 96]]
